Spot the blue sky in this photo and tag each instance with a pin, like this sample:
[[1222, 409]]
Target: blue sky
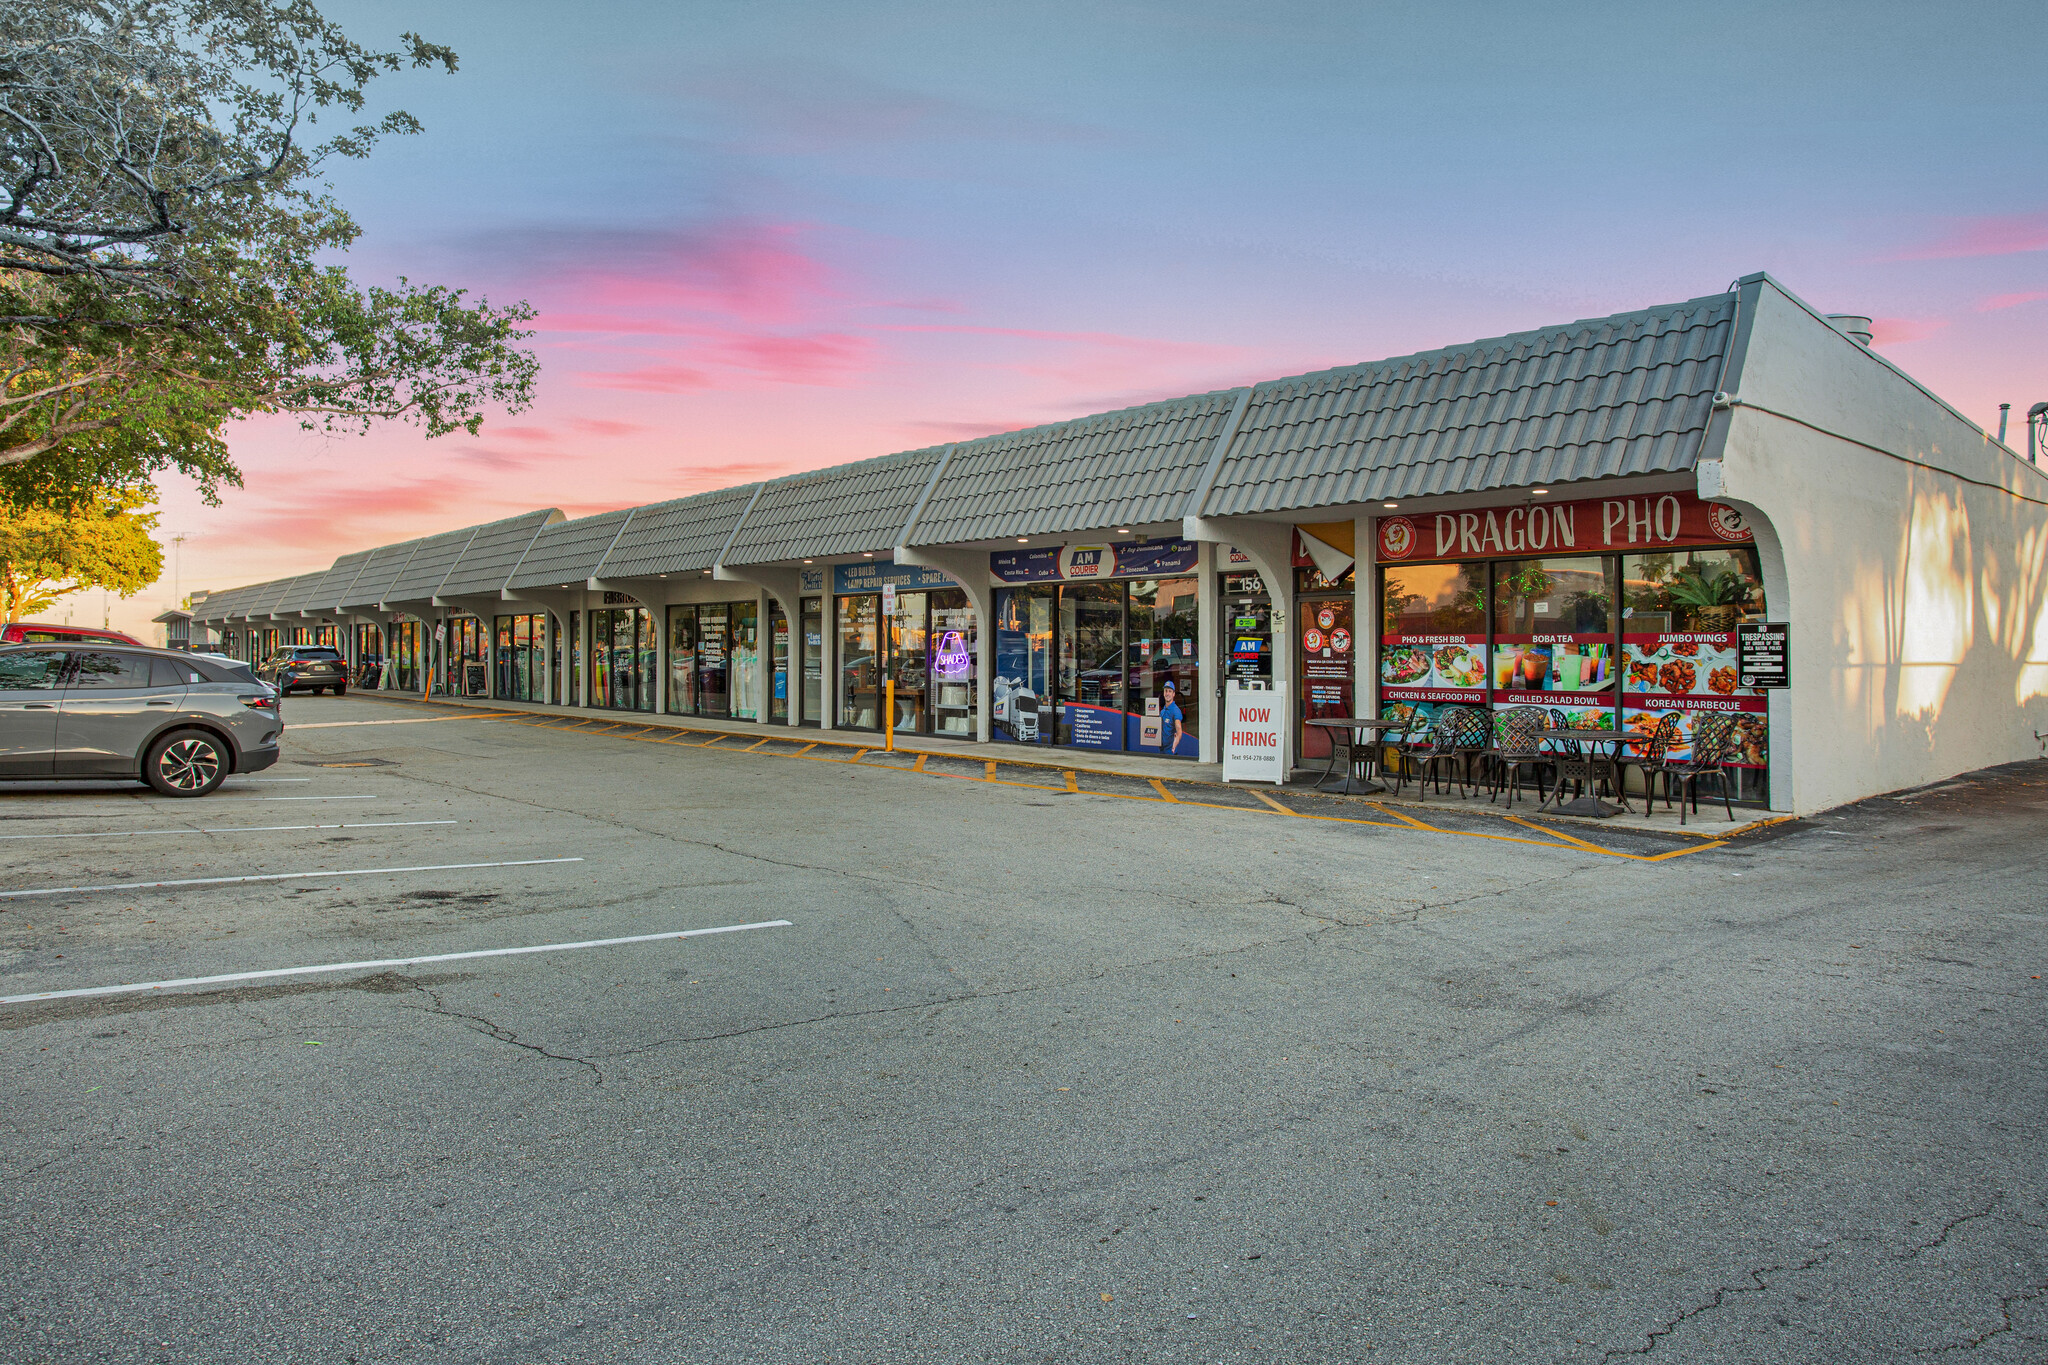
[[771, 236]]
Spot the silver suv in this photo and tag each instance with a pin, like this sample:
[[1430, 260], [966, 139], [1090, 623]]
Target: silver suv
[[178, 722]]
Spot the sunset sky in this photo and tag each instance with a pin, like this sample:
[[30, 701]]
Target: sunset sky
[[765, 237]]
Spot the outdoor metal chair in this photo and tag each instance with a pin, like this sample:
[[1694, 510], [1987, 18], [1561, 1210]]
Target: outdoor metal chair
[[1648, 755], [1521, 746], [1438, 750], [1712, 739], [1409, 748]]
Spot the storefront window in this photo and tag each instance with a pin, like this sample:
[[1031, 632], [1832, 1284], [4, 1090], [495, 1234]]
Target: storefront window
[[1164, 698], [955, 653], [1553, 633], [860, 662], [622, 658], [1432, 638], [521, 674], [575, 658], [1678, 646], [1328, 663]]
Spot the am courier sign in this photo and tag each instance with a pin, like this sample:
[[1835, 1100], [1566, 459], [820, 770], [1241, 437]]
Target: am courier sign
[[1252, 748]]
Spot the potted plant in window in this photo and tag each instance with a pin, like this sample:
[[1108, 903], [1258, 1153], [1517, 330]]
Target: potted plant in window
[[1711, 603]]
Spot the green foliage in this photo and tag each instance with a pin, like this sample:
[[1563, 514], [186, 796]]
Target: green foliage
[[50, 549], [164, 260], [1693, 587]]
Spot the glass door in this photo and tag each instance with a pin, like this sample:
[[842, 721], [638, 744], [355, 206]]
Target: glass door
[[682, 660], [860, 664], [778, 663], [714, 660], [813, 698], [575, 658], [955, 647], [1327, 672], [1091, 645], [746, 660], [907, 664], [1022, 689]]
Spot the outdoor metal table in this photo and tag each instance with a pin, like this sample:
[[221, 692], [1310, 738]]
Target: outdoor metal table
[[1589, 768], [1372, 727]]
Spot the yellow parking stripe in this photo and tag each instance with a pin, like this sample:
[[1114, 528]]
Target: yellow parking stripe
[[1398, 819]]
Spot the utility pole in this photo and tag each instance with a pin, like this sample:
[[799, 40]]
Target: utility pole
[[177, 590]]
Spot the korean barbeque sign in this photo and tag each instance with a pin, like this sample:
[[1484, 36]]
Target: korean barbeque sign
[[1681, 674]]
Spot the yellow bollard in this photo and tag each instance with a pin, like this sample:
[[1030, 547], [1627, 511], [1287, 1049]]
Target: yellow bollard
[[889, 717]]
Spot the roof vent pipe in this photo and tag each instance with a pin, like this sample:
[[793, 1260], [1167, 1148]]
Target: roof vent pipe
[[1851, 325]]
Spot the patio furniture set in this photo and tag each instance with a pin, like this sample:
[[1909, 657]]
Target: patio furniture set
[[1501, 750]]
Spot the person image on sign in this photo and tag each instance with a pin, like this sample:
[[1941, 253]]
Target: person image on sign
[[1170, 729]]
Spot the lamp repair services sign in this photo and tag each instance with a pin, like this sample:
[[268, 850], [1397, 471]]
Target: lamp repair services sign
[[1252, 748]]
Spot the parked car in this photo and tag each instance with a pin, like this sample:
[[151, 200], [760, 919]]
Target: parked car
[[178, 721], [305, 668], [54, 633]]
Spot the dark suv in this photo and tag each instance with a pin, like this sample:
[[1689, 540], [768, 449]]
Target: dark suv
[[178, 722], [305, 668]]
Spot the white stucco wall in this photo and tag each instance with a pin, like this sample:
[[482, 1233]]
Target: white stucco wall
[[1916, 582]]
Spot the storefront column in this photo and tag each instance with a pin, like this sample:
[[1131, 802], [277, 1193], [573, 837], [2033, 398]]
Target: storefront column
[[1270, 547], [1209, 654], [969, 568], [1365, 617], [828, 653]]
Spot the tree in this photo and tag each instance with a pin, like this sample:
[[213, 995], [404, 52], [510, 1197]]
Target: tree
[[165, 244], [48, 550]]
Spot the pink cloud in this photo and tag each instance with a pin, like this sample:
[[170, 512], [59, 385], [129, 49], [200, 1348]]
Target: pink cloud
[[1998, 301], [649, 379], [1992, 235], [1891, 331], [598, 426]]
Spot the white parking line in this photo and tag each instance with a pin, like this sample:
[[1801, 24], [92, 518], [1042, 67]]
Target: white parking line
[[387, 962], [275, 877], [225, 829]]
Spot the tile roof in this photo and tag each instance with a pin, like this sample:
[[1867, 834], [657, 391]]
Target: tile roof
[[436, 555], [297, 592], [568, 551], [1140, 464], [489, 558], [677, 537], [1627, 394], [379, 571], [843, 510], [326, 594]]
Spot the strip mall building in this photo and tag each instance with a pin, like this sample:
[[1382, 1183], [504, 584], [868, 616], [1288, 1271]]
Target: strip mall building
[[1584, 512]]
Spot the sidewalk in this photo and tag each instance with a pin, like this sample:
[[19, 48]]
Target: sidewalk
[[1707, 824]]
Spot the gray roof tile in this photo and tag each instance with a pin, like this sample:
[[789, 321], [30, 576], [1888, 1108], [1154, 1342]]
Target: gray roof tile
[[843, 510], [379, 571], [421, 578], [325, 595], [1137, 465], [677, 537], [488, 560], [568, 551], [1628, 394]]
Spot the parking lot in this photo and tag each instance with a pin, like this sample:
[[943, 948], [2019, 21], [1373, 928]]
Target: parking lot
[[1000, 1065]]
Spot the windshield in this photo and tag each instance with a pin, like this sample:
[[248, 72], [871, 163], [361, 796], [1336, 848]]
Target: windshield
[[316, 652]]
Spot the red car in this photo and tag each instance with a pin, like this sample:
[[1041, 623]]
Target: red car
[[51, 633]]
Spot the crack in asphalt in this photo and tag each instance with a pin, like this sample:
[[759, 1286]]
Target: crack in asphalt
[[505, 1035], [1721, 1296], [2005, 1307], [1951, 1226]]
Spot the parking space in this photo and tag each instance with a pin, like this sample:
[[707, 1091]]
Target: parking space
[[1032, 1063]]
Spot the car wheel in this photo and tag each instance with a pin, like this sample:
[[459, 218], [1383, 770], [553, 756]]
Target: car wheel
[[341, 691], [186, 763]]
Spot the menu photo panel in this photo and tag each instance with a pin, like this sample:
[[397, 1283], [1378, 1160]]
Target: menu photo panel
[[1688, 675]]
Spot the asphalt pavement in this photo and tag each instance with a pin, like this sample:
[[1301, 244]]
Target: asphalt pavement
[[1028, 1074]]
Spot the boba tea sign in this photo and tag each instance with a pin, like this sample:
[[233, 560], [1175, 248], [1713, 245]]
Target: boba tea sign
[[1642, 521]]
